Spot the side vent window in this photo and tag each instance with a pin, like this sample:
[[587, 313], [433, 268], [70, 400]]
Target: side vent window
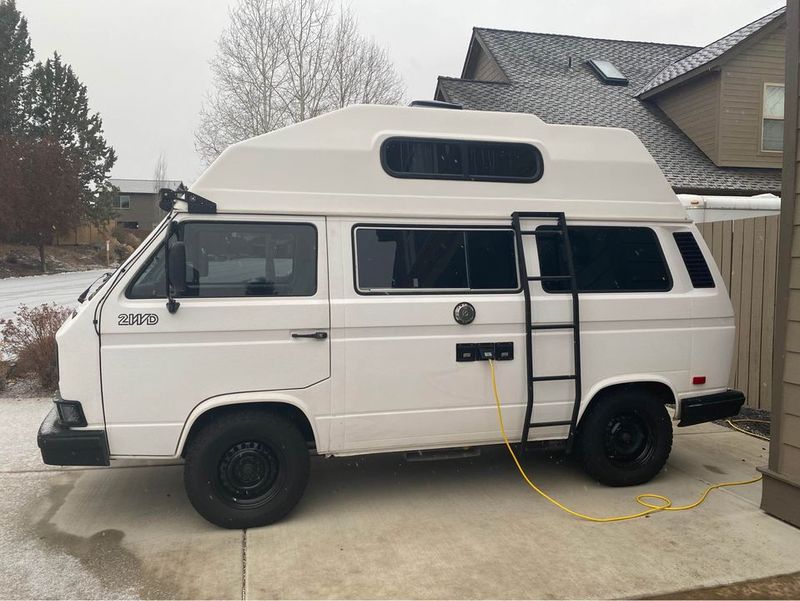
[[693, 258]]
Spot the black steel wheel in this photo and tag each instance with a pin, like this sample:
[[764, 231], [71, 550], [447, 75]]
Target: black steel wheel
[[246, 469], [625, 437], [248, 473]]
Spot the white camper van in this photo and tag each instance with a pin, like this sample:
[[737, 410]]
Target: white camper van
[[338, 286]]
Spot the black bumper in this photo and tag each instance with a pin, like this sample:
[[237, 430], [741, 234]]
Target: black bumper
[[63, 446], [707, 408]]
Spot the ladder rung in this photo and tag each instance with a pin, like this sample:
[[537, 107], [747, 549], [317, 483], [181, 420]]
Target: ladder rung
[[549, 278], [546, 424], [551, 378], [552, 326], [540, 232]]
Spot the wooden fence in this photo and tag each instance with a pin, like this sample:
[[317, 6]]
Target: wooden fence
[[746, 251], [86, 234]]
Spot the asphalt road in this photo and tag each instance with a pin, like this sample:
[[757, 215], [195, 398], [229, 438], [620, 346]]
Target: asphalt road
[[377, 527], [60, 288]]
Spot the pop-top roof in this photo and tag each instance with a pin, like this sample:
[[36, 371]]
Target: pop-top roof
[[331, 165]]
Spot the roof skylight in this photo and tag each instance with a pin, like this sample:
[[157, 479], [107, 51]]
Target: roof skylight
[[607, 72]]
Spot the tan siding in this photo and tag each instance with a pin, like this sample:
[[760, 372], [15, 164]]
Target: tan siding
[[482, 66], [742, 88], [791, 368], [791, 399], [794, 305], [790, 460], [694, 108], [793, 337]]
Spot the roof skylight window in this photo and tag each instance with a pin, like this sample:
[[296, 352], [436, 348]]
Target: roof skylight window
[[607, 72]]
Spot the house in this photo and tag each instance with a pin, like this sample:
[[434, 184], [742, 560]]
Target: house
[[136, 203], [781, 492], [712, 117]]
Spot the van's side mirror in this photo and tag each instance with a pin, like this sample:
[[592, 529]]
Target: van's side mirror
[[177, 266]]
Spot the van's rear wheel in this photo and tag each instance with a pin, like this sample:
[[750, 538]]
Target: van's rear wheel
[[246, 469], [625, 438]]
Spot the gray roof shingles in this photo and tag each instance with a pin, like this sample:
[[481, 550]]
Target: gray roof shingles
[[542, 84], [711, 52]]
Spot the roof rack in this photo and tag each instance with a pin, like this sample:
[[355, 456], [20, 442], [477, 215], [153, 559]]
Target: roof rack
[[436, 104], [194, 202]]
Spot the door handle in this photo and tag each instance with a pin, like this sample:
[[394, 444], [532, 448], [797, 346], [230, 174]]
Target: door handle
[[314, 335]]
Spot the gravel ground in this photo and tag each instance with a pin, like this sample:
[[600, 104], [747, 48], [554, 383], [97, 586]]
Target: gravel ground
[[751, 420], [775, 587]]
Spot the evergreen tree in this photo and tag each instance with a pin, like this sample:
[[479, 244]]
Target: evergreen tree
[[15, 55], [41, 192], [56, 107]]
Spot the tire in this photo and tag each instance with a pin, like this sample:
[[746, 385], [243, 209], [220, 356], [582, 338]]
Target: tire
[[246, 469], [625, 437]]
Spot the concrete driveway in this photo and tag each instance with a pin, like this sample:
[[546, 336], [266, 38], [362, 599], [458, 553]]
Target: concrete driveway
[[378, 527]]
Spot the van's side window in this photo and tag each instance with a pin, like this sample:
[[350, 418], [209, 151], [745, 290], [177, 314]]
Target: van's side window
[[227, 259], [427, 158], [401, 260], [606, 259]]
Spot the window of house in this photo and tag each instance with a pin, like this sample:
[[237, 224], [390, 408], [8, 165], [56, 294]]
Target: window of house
[[238, 259], [461, 160], [772, 127], [606, 259], [438, 260], [121, 201]]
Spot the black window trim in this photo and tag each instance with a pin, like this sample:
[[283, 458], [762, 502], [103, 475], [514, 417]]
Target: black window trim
[[463, 176], [670, 281], [181, 224], [428, 291]]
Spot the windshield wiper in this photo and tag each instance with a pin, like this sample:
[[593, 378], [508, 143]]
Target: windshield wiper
[[104, 276]]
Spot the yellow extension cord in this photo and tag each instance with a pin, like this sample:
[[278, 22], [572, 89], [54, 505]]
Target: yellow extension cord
[[640, 499]]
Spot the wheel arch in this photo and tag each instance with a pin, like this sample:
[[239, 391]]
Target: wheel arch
[[659, 387], [284, 405]]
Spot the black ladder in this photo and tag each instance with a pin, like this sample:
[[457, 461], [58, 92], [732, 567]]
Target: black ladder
[[560, 234]]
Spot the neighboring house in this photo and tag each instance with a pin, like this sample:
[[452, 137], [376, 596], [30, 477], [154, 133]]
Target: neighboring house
[[711, 117], [136, 204]]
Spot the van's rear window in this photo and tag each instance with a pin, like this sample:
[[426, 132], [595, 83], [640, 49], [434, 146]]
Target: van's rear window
[[606, 259], [438, 260], [426, 158]]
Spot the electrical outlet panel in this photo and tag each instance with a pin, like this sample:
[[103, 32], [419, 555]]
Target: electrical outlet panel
[[483, 351]]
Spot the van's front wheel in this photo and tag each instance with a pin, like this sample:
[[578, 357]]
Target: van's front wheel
[[625, 438], [246, 469]]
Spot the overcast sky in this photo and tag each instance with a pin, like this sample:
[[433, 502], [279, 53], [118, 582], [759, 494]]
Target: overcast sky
[[145, 62]]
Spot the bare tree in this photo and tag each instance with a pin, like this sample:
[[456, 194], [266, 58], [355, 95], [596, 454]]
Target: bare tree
[[362, 71], [283, 61], [160, 172], [159, 181]]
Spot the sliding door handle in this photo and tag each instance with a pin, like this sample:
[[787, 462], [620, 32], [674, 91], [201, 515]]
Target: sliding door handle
[[315, 335]]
